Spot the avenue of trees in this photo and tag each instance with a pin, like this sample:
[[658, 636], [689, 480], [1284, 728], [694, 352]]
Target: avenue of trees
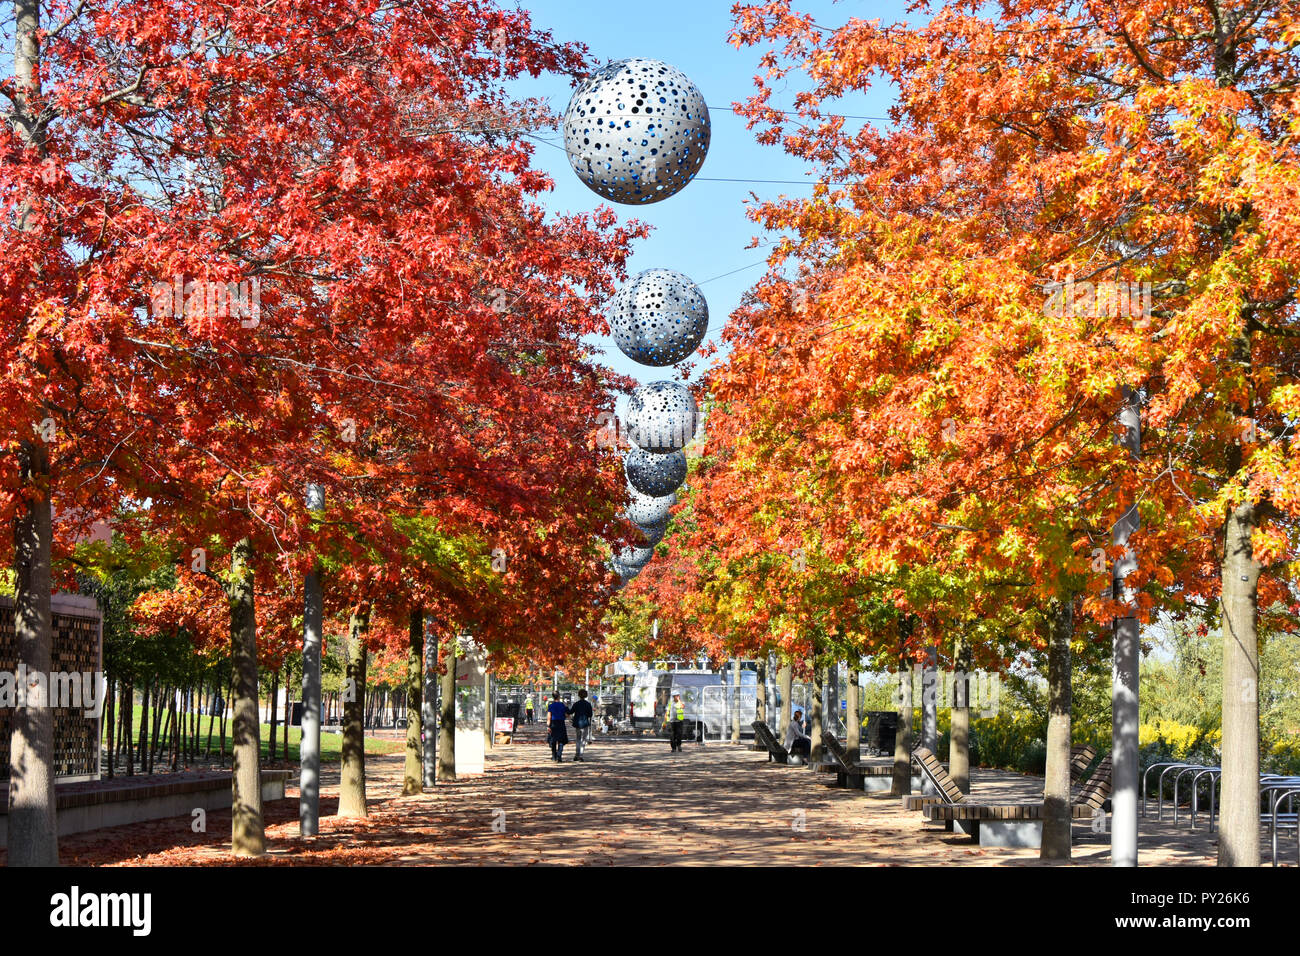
[[253, 248]]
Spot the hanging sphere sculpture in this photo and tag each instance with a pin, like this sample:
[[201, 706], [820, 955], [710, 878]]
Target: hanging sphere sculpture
[[653, 533], [659, 318], [624, 572], [654, 475], [645, 510], [662, 417], [631, 557], [636, 131]]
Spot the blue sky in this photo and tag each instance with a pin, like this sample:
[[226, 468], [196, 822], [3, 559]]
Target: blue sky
[[702, 231]]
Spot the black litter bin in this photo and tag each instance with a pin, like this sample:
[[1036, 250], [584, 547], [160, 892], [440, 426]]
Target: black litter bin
[[882, 732]]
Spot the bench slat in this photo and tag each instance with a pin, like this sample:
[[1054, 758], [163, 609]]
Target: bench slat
[[774, 749]]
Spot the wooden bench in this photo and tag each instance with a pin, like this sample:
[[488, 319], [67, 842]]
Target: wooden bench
[[764, 735], [1019, 824], [946, 793], [848, 773], [1081, 758]]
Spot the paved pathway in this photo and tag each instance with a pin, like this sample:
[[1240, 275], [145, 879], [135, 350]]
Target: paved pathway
[[631, 802]]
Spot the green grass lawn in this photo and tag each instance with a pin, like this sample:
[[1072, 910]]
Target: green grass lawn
[[331, 745]]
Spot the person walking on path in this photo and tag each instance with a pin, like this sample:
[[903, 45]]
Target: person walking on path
[[528, 709], [675, 717], [556, 735], [582, 714]]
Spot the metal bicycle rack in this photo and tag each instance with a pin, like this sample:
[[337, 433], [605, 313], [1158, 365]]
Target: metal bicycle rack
[[1278, 793], [1283, 789], [1160, 784], [1145, 789], [1197, 771], [1180, 769], [1216, 775], [1179, 773]]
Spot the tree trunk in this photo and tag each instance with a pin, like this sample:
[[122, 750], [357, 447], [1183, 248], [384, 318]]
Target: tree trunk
[[174, 731], [118, 750], [735, 700], [930, 701], [785, 685], [447, 713], [179, 736], [831, 703], [1239, 810], [225, 702], [271, 749], [247, 831], [110, 716], [33, 830], [143, 746], [312, 710], [903, 741], [157, 726], [815, 729], [146, 703], [853, 713], [428, 711], [352, 782], [288, 714], [189, 723], [413, 771], [128, 731], [959, 727], [1056, 781], [125, 722], [760, 700], [212, 721], [489, 708]]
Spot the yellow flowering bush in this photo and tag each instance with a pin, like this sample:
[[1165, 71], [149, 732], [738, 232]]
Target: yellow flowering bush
[[1178, 740]]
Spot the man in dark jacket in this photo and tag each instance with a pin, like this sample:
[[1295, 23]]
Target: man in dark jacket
[[582, 714]]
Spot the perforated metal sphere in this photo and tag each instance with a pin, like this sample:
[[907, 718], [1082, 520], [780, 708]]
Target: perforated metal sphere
[[624, 572], [654, 475], [645, 510], [636, 131], [659, 318], [631, 557], [661, 417], [653, 533]]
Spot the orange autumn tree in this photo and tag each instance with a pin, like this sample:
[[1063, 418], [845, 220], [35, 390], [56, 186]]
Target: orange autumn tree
[[349, 165], [774, 541], [1117, 150]]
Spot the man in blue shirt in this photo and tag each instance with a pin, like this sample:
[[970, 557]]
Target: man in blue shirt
[[556, 735]]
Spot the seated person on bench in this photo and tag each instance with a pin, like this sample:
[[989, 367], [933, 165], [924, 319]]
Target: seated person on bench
[[797, 743]]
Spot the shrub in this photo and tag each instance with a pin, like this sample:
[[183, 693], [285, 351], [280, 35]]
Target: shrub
[[1011, 740], [1187, 742], [1282, 756]]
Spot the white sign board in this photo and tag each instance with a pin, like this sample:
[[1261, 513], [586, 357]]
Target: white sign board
[[469, 751]]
